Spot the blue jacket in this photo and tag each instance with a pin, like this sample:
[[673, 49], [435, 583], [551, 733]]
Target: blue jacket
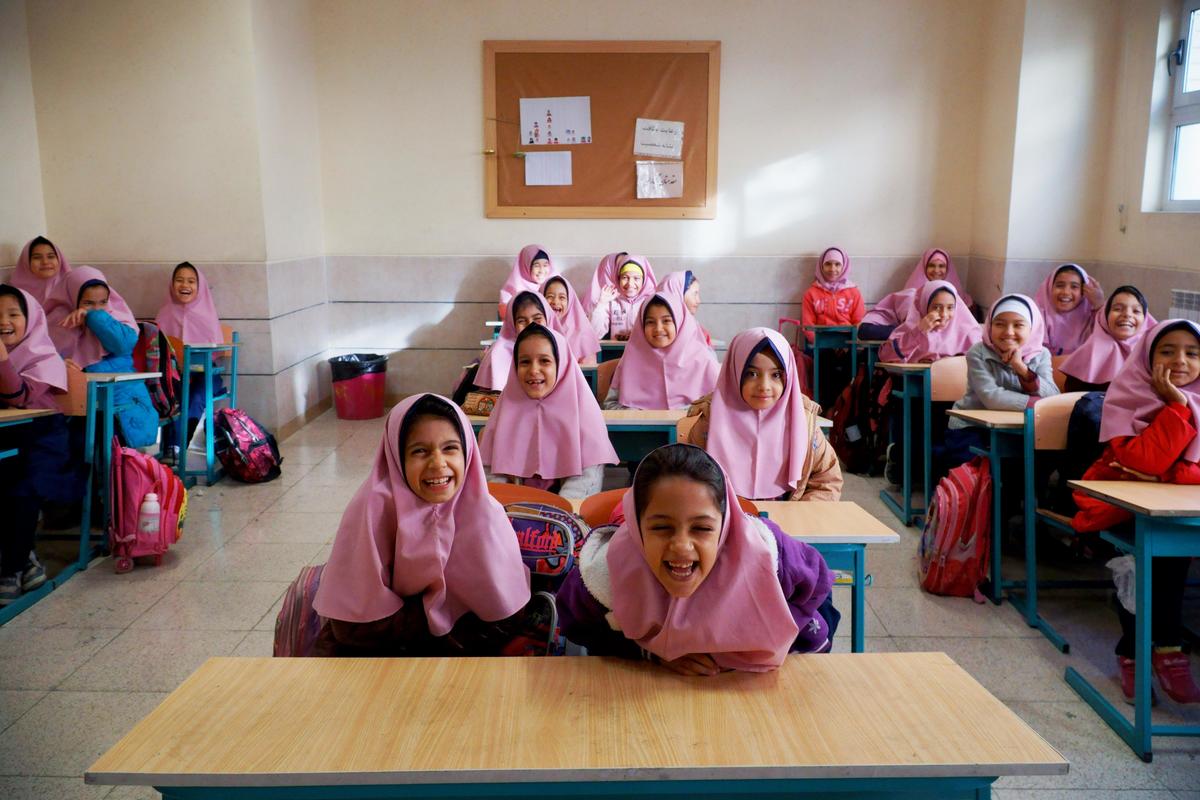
[[135, 412]]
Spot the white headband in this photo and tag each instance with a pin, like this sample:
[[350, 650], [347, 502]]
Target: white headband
[[1014, 305]]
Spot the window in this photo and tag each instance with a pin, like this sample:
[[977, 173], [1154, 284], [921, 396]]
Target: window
[[1183, 180]]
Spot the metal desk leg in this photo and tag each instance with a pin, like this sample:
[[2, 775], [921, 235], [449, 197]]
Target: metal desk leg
[[209, 439], [182, 428]]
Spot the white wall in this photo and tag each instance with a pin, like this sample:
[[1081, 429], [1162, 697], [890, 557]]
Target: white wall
[[22, 209], [146, 123], [849, 122]]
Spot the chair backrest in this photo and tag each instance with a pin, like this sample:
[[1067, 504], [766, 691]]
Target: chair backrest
[[597, 509], [604, 376], [515, 493], [1050, 418], [1060, 377], [74, 402], [948, 379]]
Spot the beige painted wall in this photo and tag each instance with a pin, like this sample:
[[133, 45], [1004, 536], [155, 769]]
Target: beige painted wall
[[851, 122], [147, 128], [22, 209], [288, 132]]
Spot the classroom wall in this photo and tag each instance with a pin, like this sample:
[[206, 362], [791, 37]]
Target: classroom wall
[[22, 208]]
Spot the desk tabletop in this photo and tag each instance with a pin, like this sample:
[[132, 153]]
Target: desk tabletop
[[22, 414], [1145, 497], [985, 418], [870, 342], [119, 377], [327, 721], [624, 417], [613, 342], [898, 366], [841, 328], [836, 522]]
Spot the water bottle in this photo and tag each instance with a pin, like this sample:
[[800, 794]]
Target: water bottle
[[148, 516]]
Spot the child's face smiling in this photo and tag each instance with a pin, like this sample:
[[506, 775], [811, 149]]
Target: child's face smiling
[[1125, 316], [941, 305], [556, 298], [936, 267], [184, 285], [43, 261], [539, 270], [691, 298], [526, 315], [831, 267], [1180, 352], [537, 371], [94, 298], [12, 321], [434, 460], [659, 326], [763, 382], [630, 282], [1067, 290], [1009, 331], [681, 526]]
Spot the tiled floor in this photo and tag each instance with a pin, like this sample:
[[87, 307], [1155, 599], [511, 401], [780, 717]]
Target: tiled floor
[[80, 668]]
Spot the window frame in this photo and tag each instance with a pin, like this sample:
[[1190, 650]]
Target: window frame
[[1185, 107]]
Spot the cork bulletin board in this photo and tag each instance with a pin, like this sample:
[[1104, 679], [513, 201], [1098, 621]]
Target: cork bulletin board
[[624, 81]]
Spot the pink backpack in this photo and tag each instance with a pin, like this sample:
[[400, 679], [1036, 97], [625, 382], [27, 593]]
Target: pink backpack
[[956, 543], [246, 449], [134, 475], [298, 624]]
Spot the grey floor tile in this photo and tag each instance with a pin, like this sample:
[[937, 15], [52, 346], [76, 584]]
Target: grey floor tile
[[1011, 669], [15, 702], [30, 788], [150, 660], [39, 658], [93, 600], [255, 561], [305, 497], [289, 527], [256, 643], [913, 612], [207, 606]]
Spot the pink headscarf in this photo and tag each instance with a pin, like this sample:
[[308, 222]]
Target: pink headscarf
[[558, 436], [1131, 403], [41, 289], [670, 377], [1033, 342], [1099, 359], [910, 344], [34, 357], [892, 309], [80, 344], [496, 364], [585, 344], [521, 278], [843, 281], [460, 556], [195, 322], [763, 451], [1065, 333], [607, 274], [738, 614], [917, 279], [677, 284]]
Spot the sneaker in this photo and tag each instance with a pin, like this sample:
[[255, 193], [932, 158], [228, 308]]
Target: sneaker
[[1126, 667], [892, 471], [34, 574], [1174, 672], [10, 589]]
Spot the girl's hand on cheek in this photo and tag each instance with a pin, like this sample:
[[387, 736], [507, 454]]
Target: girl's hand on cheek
[[928, 323], [1161, 381], [694, 664]]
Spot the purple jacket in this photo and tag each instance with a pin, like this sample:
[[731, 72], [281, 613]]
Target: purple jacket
[[803, 576]]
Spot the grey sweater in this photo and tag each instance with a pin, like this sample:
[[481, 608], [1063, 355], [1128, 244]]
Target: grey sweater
[[991, 384]]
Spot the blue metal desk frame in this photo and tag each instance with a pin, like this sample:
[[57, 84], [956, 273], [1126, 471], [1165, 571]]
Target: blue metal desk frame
[[589, 375], [829, 337], [1154, 536], [202, 356], [611, 349], [870, 348], [914, 388]]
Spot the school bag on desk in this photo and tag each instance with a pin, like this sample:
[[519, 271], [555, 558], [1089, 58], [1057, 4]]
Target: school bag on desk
[[134, 475], [955, 547], [246, 449]]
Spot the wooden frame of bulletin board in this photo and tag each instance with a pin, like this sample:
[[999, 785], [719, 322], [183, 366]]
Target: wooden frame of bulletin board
[[625, 80]]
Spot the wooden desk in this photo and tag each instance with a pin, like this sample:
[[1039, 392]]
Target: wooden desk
[[841, 532], [633, 433], [871, 350], [14, 416], [457, 727], [983, 418], [119, 377], [913, 388], [1166, 524]]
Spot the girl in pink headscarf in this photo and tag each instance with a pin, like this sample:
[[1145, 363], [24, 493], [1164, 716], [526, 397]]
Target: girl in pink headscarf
[[1117, 329], [692, 582], [531, 268], [1150, 421], [32, 375], [425, 561], [937, 326], [547, 430], [1068, 300], [40, 270], [832, 299], [572, 319], [526, 309], [621, 281], [190, 315], [666, 364], [687, 286], [935, 265], [759, 425]]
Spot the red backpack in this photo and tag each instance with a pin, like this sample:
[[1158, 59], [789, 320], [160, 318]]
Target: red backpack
[[246, 449], [298, 624], [153, 353], [956, 543], [134, 475], [859, 433]]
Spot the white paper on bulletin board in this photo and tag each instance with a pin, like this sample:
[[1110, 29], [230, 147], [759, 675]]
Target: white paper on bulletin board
[[656, 179], [556, 120], [548, 169], [660, 138]]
